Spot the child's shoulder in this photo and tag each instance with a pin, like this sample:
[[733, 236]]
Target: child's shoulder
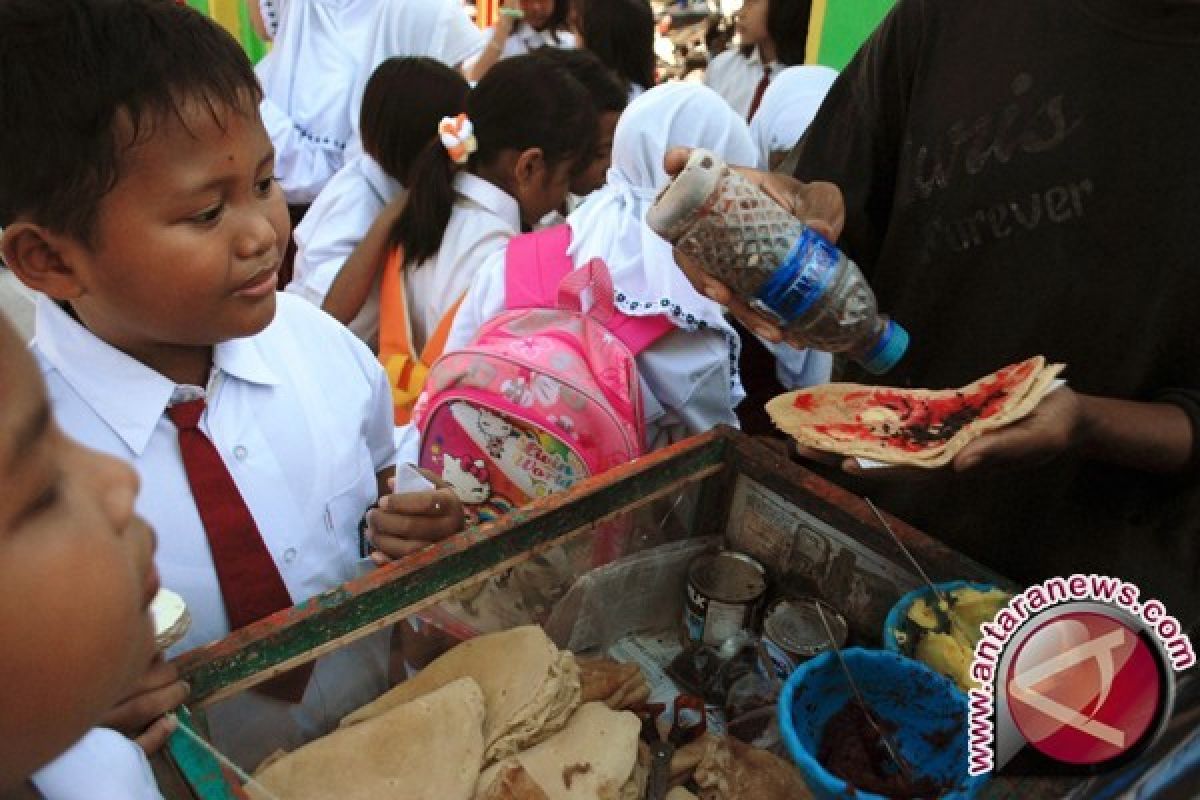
[[303, 336]]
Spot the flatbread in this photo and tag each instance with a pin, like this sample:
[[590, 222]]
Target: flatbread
[[513, 783], [530, 688], [915, 427], [596, 754], [428, 749]]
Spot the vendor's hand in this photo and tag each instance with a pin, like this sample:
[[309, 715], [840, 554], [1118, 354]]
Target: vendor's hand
[[402, 524], [505, 22], [1051, 429], [140, 716], [819, 204]]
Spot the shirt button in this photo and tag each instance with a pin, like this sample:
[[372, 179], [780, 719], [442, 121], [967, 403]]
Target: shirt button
[[240, 453], [289, 555]]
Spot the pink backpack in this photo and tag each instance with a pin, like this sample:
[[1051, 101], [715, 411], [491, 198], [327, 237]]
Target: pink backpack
[[547, 393]]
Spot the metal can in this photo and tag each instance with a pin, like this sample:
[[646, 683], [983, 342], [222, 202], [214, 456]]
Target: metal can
[[723, 593], [793, 632]]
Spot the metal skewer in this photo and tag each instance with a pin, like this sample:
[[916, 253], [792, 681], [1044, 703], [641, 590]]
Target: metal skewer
[[892, 751], [943, 603]]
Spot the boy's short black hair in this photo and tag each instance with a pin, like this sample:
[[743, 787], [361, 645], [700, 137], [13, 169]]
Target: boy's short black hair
[[602, 84], [70, 70]]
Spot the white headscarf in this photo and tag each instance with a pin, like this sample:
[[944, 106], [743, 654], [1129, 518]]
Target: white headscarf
[[611, 222], [787, 109]]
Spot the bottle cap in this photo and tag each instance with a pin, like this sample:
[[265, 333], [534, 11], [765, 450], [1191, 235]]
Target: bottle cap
[[888, 351]]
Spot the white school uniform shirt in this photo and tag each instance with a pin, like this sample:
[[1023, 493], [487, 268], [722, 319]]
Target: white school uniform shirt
[[525, 39], [788, 107], [485, 217], [689, 377], [301, 414], [334, 225], [103, 765], [735, 77]]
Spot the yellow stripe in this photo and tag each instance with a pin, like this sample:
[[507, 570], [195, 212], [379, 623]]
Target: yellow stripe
[[225, 12], [816, 28]]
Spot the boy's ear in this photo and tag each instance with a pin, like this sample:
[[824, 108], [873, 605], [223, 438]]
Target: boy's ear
[[530, 165], [35, 255]]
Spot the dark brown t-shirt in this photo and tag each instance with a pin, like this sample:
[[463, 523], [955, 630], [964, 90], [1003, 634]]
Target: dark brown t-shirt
[[1023, 178]]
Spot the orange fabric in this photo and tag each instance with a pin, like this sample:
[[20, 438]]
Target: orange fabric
[[406, 372]]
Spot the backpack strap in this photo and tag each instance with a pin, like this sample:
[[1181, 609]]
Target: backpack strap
[[536, 270], [406, 372]]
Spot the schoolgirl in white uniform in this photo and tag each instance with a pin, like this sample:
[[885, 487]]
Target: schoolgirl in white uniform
[[690, 376], [315, 75], [773, 36], [523, 27], [402, 104], [494, 172]]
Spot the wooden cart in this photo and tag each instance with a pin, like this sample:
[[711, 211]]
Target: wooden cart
[[813, 536]]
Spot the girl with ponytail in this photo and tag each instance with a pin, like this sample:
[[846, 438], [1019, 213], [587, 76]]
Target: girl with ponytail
[[492, 173]]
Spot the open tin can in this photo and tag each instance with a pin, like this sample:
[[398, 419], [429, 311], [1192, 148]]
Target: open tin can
[[793, 632], [724, 591]]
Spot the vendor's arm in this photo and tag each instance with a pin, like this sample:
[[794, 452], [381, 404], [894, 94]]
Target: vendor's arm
[[1152, 437], [360, 273]]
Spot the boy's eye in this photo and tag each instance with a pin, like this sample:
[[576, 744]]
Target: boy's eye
[[45, 500], [264, 186], [208, 215]]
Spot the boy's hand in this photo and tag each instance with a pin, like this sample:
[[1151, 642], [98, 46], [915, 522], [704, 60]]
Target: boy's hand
[[402, 524], [140, 716], [819, 204]]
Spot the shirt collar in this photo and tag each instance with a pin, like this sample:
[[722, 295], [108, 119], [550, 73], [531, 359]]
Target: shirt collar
[[129, 396], [490, 196], [383, 185]]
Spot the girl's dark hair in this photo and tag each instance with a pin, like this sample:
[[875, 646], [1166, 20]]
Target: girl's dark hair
[[787, 25], [607, 91], [621, 33], [521, 102], [402, 104], [558, 19], [73, 69]]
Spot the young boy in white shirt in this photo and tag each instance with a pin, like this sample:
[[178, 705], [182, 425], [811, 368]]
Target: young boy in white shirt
[[62, 506], [137, 194]]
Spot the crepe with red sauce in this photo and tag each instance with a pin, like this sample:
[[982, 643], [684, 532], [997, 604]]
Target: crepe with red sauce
[[917, 427]]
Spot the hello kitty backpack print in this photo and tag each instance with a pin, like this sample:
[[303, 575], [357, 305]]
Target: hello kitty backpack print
[[547, 393]]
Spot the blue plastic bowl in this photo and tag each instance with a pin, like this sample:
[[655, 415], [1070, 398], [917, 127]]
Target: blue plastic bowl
[[920, 702], [896, 617]]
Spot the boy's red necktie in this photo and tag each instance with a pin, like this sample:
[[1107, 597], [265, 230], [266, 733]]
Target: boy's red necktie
[[251, 586], [759, 91]]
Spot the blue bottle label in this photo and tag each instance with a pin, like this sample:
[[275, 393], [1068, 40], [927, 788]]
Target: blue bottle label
[[802, 278]]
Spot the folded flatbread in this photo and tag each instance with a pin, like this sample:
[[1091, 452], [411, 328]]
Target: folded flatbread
[[530, 687], [513, 783], [594, 758], [428, 749], [915, 427]]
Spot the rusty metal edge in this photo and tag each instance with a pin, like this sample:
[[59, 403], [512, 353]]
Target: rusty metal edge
[[288, 638]]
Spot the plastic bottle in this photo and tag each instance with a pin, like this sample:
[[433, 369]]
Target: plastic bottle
[[777, 264]]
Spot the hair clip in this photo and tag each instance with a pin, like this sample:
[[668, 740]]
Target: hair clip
[[458, 137]]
